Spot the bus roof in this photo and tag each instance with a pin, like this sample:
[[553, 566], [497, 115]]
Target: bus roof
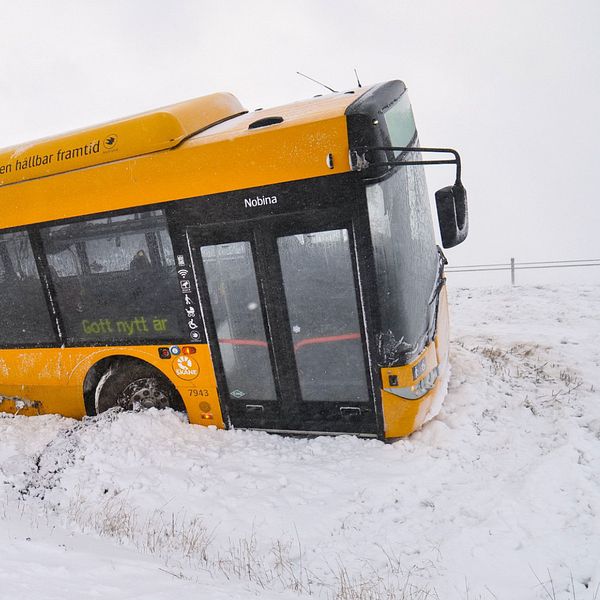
[[145, 133], [224, 149], [309, 110]]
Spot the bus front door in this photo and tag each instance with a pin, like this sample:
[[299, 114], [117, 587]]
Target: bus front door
[[282, 316]]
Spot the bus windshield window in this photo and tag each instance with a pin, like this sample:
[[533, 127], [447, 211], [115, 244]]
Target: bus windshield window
[[115, 278], [400, 122], [406, 261], [24, 314]]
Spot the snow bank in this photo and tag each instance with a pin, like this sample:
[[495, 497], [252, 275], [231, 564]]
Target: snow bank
[[498, 496]]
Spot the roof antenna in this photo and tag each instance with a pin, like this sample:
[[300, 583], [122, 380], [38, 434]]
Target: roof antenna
[[357, 79], [325, 86]]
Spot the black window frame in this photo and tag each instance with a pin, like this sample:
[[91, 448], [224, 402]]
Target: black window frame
[[53, 317], [53, 297]]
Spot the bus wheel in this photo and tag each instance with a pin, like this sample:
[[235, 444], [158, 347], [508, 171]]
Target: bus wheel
[[134, 386]]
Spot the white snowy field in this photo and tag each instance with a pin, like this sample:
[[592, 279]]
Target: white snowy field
[[497, 497]]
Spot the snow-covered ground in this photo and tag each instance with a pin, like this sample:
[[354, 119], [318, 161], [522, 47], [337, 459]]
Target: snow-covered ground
[[497, 497]]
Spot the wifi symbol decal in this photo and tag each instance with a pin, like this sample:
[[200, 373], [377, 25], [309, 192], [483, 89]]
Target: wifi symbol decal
[[183, 272]]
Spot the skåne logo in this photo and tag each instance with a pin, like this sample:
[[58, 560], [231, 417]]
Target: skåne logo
[[185, 367]]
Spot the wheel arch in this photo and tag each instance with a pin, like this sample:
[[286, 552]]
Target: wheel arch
[[121, 361]]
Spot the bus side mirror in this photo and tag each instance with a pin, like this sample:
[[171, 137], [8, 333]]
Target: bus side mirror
[[453, 216]]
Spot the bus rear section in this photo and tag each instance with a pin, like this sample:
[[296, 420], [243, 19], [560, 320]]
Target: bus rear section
[[277, 272]]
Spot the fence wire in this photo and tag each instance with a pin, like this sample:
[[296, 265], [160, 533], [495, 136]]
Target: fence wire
[[514, 266]]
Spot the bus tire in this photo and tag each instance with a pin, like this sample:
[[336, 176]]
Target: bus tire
[[135, 385]]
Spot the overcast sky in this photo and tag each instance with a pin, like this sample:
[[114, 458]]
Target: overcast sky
[[513, 85]]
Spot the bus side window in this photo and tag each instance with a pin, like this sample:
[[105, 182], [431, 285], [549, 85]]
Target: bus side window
[[117, 289], [64, 263], [6, 271], [130, 254], [24, 313], [165, 249]]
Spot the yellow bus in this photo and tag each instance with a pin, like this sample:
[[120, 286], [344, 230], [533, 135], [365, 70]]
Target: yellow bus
[[274, 270]]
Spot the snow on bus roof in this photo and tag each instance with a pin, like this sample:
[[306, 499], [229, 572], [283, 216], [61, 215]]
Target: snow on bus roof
[[156, 130]]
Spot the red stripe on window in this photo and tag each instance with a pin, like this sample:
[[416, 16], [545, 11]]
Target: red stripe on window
[[245, 343], [297, 345], [325, 340]]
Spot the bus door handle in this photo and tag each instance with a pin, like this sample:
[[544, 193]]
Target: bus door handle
[[254, 408], [350, 412]]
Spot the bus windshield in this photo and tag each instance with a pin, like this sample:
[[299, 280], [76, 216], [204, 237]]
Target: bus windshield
[[406, 261], [400, 122]]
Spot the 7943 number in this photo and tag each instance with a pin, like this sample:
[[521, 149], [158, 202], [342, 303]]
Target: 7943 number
[[195, 393]]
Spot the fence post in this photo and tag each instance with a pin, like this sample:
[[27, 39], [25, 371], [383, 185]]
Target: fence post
[[512, 271]]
